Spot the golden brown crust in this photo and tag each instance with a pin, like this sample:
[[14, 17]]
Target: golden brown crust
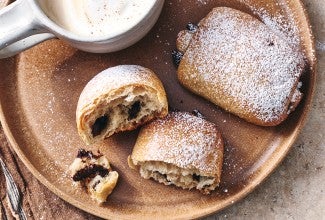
[[183, 40], [239, 64], [183, 140], [113, 86]]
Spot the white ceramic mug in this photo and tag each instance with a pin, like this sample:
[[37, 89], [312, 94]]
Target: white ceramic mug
[[24, 24]]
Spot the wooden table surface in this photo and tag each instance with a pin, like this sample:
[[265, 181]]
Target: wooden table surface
[[294, 191]]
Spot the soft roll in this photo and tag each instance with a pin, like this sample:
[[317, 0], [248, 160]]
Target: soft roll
[[181, 149], [238, 63], [119, 98]]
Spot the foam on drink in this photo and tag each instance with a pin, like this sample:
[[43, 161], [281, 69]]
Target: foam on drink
[[96, 18]]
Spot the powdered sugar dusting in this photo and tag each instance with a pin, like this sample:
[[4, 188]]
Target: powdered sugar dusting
[[186, 141], [114, 78], [120, 75], [283, 26], [256, 68]]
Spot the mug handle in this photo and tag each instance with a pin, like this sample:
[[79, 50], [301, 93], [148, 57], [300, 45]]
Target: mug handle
[[17, 25]]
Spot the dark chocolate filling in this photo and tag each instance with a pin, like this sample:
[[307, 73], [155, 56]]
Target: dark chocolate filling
[[99, 125], [192, 27], [82, 153], [196, 177], [134, 110], [95, 184], [90, 172], [162, 175], [177, 57], [197, 113]]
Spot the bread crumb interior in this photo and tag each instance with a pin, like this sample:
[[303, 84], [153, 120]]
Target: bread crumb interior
[[169, 174], [126, 110]]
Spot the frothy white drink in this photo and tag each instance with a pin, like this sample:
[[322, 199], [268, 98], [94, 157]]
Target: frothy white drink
[[96, 18]]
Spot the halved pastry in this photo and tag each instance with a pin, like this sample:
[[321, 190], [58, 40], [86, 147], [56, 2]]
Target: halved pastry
[[94, 173], [181, 149], [238, 63], [119, 98]]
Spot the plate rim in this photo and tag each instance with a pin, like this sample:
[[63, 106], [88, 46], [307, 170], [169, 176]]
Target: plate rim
[[259, 179]]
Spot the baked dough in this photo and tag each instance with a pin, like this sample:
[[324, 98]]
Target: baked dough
[[181, 149], [235, 61], [94, 173], [118, 99]]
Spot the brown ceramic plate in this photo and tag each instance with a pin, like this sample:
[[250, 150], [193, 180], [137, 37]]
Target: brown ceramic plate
[[39, 90]]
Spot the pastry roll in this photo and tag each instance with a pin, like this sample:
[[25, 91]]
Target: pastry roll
[[181, 149], [94, 173], [118, 99], [235, 61]]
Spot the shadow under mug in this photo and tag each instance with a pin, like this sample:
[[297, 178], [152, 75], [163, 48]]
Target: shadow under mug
[[24, 24]]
